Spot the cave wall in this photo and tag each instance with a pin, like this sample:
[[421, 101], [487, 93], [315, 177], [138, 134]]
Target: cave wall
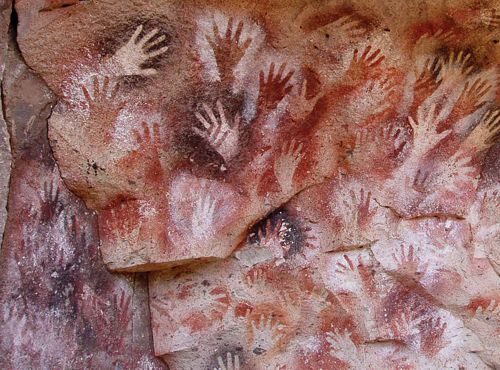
[[249, 185]]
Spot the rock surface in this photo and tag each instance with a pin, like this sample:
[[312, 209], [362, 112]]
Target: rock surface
[[289, 185], [59, 306], [5, 155]]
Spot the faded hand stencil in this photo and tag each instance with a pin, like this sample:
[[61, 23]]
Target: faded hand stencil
[[313, 185]]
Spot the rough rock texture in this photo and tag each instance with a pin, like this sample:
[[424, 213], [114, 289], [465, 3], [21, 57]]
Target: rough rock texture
[[59, 306], [5, 156], [308, 185], [175, 175]]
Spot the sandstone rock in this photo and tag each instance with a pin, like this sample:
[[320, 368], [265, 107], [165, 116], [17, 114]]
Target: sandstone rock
[[416, 296], [193, 170], [59, 306], [312, 185], [385, 264], [5, 155]]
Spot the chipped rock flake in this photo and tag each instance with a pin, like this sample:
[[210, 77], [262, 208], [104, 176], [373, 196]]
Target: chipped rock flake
[[309, 185]]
